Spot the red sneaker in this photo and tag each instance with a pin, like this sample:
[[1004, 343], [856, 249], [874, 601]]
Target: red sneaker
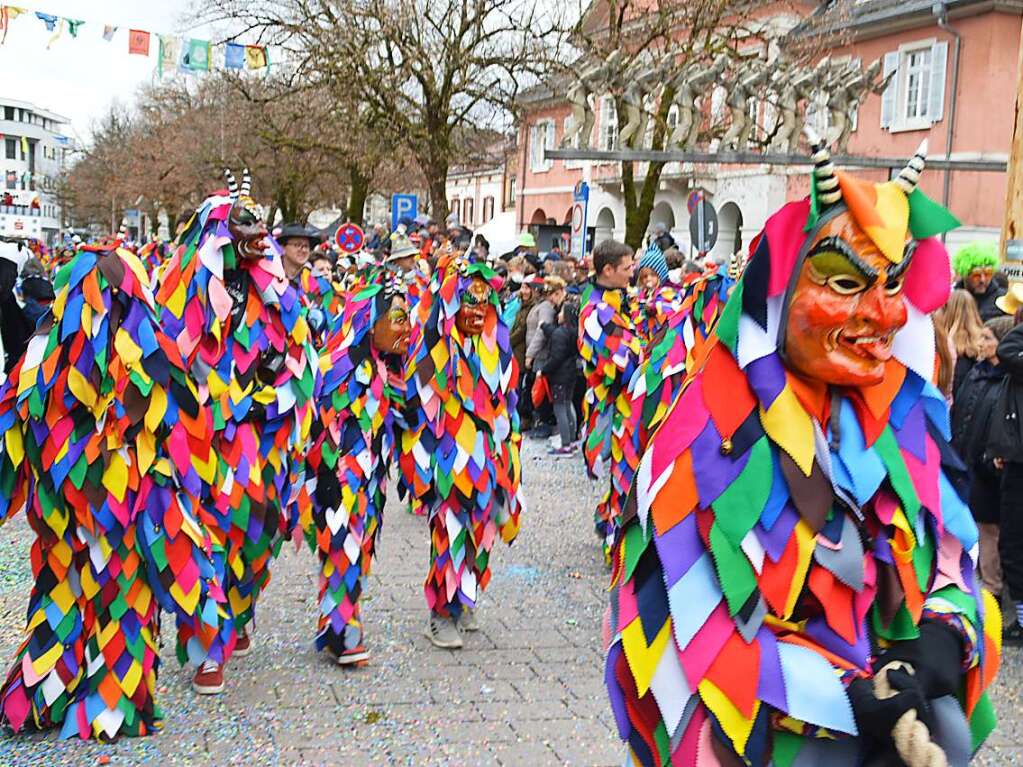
[[243, 646], [357, 656], [209, 678]]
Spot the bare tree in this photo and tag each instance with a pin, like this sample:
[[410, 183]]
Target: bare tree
[[420, 70]]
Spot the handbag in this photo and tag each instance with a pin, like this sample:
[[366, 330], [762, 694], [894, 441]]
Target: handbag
[[541, 390]]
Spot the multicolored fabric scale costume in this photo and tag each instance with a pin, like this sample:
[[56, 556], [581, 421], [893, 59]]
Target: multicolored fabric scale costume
[[241, 328], [324, 302], [460, 456], [798, 528], [360, 415], [108, 448], [611, 348]]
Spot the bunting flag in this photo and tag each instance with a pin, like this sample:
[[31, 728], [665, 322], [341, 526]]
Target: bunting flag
[[256, 57], [195, 56], [24, 147], [234, 56], [138, 42], [168, 55], [73, 25], [108, 35], [7, 14]]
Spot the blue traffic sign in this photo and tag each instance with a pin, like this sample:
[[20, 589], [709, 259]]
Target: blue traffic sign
[[403, 206]]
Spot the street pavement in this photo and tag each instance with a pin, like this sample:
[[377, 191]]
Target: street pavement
[[526, 690]]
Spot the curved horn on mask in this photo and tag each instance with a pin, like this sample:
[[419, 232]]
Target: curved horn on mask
[[736, 265], [824, 178], [909, 176], [246, 183], [232, 183]]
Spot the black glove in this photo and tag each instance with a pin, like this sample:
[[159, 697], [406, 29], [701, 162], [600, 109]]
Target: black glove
[[875, 717], [936, 657]]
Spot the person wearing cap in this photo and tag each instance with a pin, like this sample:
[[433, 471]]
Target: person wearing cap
[[658, 297], [298, 241], [976, 264]]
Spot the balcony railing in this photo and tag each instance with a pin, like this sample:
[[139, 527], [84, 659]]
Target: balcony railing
[[20, 210]]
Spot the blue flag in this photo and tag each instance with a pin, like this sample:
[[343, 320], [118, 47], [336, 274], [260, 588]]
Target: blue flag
[[234, 56]]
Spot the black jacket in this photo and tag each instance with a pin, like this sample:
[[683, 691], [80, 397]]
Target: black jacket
[[1006, 433], [972, 410], [561, 368], [986, 303]]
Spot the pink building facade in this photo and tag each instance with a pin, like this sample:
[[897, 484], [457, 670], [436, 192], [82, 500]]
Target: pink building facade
[[929, 46]]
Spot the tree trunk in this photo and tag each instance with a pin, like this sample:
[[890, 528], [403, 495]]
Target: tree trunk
[[639, 207], [358, 192]]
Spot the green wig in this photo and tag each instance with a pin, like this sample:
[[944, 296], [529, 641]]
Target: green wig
[[975, 255]]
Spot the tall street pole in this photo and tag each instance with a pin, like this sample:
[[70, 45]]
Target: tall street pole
[[1012, 229]]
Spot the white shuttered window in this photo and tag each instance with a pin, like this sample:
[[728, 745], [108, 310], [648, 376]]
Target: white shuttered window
[[915, 97]]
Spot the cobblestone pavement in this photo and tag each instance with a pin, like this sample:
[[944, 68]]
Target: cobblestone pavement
[[526, 690]]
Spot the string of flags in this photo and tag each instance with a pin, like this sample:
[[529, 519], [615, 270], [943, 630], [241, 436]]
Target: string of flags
[[173, 53]]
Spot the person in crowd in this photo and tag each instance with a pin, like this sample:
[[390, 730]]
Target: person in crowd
[[661, 237], [464, 470], [545, 312], [973, 410], [610, 349], [793, 575], [517, 310], [962, 323], [561, 371], [298, 242], [975, 264], [481, 247]]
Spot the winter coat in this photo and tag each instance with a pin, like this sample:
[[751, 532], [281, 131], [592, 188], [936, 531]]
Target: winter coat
[[972, 421], [962, 369], [562, 360], [537, 349], [1005, 434], [518, 333], [986, 303]]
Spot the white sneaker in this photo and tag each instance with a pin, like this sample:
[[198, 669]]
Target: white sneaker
[[468, 622], [443, 632]]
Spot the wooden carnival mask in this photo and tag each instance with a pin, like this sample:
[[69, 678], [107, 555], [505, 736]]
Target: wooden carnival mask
[[392, 331], [846, 307], [245, 221], [472, 316]]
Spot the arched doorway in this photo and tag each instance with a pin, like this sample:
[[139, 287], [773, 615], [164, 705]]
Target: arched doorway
[[605, 226], [539, 218], [729, 231]]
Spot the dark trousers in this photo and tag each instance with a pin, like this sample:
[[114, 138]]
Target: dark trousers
[[1010, 540], [564, 412]]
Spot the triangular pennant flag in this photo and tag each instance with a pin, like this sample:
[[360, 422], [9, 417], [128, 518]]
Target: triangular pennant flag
[[48, 19], [73, 26]]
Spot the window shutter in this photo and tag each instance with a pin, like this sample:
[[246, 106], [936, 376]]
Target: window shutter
[[939, 57], [549, 143], [891, 63]]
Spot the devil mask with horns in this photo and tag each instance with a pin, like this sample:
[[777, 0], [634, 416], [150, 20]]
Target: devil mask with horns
[[798, 526], [245, 221]]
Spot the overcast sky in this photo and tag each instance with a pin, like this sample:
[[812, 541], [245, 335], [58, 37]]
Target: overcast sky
[[79, 77]]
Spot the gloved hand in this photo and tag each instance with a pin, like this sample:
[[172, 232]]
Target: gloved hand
[[875, 717], [936, 657]]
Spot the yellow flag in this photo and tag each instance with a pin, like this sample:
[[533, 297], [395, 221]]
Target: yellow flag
[[255, 57]]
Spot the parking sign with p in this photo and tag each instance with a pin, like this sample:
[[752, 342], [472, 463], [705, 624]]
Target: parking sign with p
[[403, 206]]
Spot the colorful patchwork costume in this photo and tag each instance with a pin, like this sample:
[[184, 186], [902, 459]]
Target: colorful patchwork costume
[[108, 448], [460, 456], [359, 417], [241, 328], [611, 348], [791, 539]]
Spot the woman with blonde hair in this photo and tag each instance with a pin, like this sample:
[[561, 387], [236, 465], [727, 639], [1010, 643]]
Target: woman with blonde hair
[[961, 321]]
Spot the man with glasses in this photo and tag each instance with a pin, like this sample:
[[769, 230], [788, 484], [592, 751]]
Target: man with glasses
[[976, 264], [298, 241]]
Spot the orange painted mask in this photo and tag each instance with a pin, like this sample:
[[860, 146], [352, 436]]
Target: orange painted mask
[[846, 307], [392, 330], [472, 316]]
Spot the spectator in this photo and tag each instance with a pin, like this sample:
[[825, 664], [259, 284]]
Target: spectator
[[662, 237], [520, 305], [961, 321], [482, 248], [652, 271], [975, 402], [537, 350], [376, 240], [976, 264], [555, 254], [1006, 442], [561, 371]]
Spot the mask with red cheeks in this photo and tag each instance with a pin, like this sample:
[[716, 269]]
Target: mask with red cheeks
[[247, 229], [846, 307], [472, 316], [392, 330]]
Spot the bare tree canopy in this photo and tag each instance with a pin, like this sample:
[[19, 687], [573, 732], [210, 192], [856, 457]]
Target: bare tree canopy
[[422, 70]]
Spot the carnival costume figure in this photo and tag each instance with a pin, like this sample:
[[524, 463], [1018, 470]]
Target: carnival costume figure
[[324, 302], [241, 328], [107, 447], [611, 349], [360, 407], [793, 583], [462, 456]]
